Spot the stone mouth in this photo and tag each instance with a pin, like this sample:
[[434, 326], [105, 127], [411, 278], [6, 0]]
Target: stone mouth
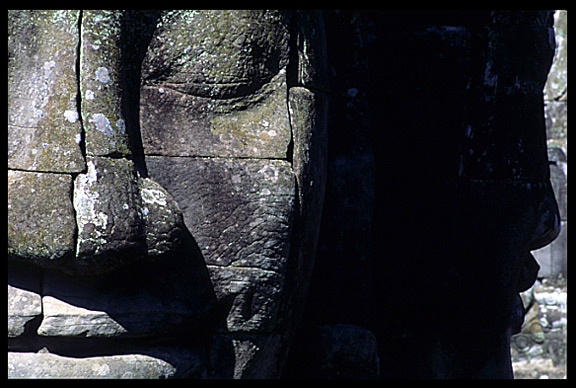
[[110, 359], [142, 303]]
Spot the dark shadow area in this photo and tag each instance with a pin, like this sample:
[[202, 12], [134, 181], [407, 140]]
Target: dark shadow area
[[168, 303], [136, 31], [437, 180]]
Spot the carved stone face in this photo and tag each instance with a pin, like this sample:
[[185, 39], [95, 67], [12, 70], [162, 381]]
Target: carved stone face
[[159, 164]]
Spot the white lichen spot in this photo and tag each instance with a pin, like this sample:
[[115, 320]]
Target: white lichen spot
[[101, 220], [49, 65], [86, 202], [91, 175], [89, 95], [102, 75], [121, 125], [97, 19], [152, 196], [236, 178], [71, 115], [101, 369], [95, 46], [102, 123], [270, 173], [78, 138], [161, 90]]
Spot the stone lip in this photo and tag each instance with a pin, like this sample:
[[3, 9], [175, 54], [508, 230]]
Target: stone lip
[[144, 363], [165, 299]]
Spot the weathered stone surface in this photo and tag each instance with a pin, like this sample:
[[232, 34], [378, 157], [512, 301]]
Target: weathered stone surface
[[110, 227], [557, 82], [120, 218], [151, 364], [308, 116], [41, 226], [556, 119], [162, 218], [239, 212], [44, 131], [227, 53], [164, 299], [254, 295], [203, 95], [24, 299], [204, 127], [100, 83]]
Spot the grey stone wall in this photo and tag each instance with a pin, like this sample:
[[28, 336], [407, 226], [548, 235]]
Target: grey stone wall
[[165, 188]]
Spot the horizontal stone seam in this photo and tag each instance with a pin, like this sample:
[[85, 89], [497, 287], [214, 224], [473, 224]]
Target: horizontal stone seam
[[217, 157], [24, 126], [73, 174]]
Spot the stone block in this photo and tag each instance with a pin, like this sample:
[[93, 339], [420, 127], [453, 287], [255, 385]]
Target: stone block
[[178, 124], [110, 227], [41, 225], [149, 364], [203, 95], [101, 81], [166, 298], [239, 213], [237, 210], [24, 299], [162, 218], [254, 296], [44, 130]]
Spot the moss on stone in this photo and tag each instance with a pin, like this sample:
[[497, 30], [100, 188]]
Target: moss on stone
[[44, 129], [41, 225]]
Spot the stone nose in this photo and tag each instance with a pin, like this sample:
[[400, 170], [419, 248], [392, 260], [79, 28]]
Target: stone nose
[[103, 220]]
